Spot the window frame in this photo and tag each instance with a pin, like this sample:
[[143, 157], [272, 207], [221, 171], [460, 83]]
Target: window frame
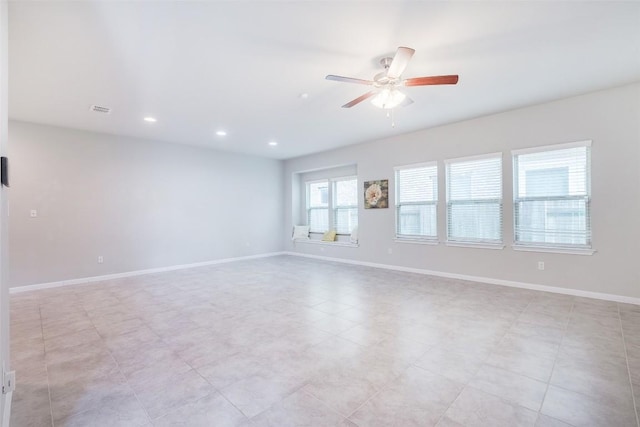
[[580, 249], [309, 208], [480, 243], [332, 206], [415, 237]]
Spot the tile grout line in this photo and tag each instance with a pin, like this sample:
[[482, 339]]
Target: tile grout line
[[306, 382], [326, 406], [548, 382], [338, 336], [555, 360], [46, 367], [484, 362], [573, 308], [386, 385], [444, 413], [217, 390], [231, 403], [116, 361], [151, 420], [626, 357]]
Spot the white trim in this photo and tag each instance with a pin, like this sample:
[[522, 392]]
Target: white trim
[[6, 401], [316, 181], [322, 242], [416, 241], [491, 281], [344, 178], [498, 154], [554, 250], [475, 245], [86, 280], [417, 165], [327, 168], [500, 282], [553, 147]]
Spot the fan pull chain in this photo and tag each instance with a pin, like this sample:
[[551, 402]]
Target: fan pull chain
[[390, 114]]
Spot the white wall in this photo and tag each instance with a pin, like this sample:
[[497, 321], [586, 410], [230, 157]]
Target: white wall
[[4, 284], [140, 204], [610, 118]]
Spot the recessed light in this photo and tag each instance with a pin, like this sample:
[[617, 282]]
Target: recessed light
[[304, 95], [273, 143], [221, 133], [150, 119]]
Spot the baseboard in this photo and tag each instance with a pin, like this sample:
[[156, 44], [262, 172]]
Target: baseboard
[[92, 279], [489, 280]]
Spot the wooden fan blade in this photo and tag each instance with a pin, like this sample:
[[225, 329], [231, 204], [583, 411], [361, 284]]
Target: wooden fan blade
[[359, 99], [400, 62], [432, 80], [349, 80]]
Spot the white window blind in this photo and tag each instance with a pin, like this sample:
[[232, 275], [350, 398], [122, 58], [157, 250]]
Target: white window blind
[[318, 206], [338, 196], [345, 204], [474, 199], [416, 201], [552, 196]]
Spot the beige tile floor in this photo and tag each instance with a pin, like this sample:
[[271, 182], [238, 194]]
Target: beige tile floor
[[288, 341]]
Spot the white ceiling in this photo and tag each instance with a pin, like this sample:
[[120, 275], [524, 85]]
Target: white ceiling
[[241, 66]]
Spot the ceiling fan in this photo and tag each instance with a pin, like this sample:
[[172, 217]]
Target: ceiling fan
[[385, 92]]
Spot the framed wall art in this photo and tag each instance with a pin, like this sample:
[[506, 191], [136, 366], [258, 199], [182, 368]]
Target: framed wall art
[[376, 194]]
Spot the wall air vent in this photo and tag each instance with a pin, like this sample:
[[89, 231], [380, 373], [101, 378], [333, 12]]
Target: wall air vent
[[100, 109]]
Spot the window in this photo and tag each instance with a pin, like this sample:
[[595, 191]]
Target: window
[[318, 206], [474, 199], [345, 204], [552, 196], [338, 196], [416, 201]]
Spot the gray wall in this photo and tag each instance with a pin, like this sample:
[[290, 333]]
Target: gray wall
[[611, 119], [4, 284], [140, 204]]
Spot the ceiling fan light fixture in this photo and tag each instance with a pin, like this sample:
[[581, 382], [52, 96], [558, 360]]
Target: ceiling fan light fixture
[[388, 98]]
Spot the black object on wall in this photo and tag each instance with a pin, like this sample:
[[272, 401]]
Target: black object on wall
[[4, 171]]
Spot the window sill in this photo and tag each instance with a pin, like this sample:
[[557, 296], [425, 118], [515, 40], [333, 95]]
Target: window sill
[[322, 242], [550, 249], [495, 246], [416, 241]]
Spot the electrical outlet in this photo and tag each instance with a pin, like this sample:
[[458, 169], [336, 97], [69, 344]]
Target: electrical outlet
[[33, 213], [389, 251], [100, 259], [540, 265], [9, 382]]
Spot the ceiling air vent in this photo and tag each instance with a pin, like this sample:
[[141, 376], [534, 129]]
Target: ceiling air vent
[[100, 109]]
